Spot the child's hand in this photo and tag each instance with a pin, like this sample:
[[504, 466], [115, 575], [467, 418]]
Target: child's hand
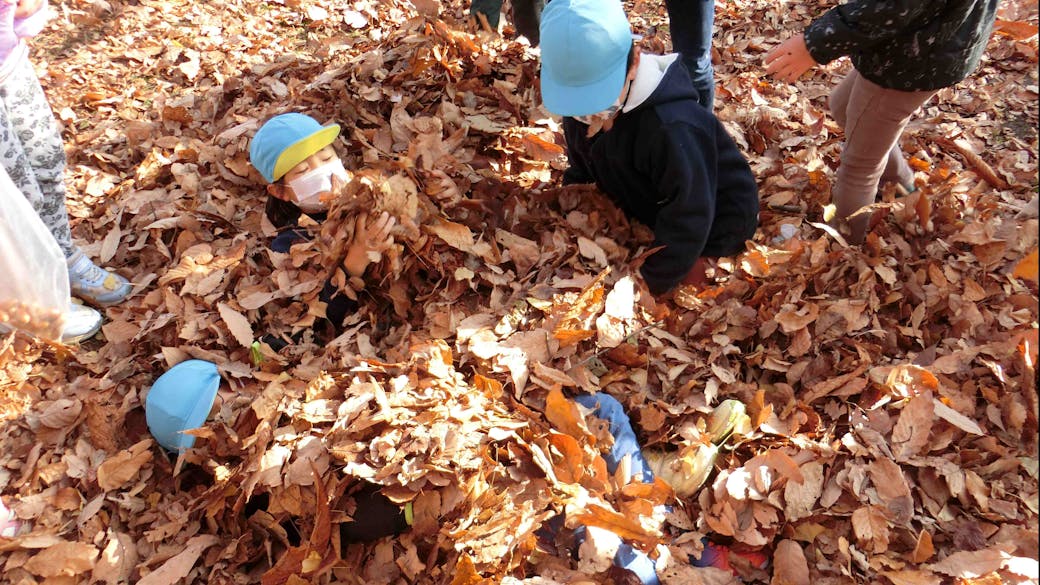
[[368, 238], [27, 8], [790, 59]]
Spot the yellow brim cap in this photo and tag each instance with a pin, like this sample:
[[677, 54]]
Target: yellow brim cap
[[300, 150]]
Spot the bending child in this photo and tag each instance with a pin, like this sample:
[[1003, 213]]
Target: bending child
[[902, 53], [633, 125], [294, 153]]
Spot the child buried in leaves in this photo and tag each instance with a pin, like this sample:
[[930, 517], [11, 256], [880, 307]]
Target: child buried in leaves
[[374, 516], [356, 232]]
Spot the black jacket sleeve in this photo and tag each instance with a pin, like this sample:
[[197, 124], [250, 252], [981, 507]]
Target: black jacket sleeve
[[684, 163], [858, 25], [338, 305], [574, 132]]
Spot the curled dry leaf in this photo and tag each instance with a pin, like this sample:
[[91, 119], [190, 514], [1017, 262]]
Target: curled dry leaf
[[789, 564], [63, 559], [124, 466], [61, 413]]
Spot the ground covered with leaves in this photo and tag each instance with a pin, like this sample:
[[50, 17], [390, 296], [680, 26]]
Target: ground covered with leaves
[[891, 388]]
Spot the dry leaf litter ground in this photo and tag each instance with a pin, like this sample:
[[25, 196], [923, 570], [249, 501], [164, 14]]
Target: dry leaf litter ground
[[891, 388]]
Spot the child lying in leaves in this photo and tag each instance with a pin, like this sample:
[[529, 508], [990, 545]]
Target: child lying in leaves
[[294, 153], [375, 516]]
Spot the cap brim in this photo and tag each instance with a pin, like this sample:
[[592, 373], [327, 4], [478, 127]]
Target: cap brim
[[571, 100], [298, 151]]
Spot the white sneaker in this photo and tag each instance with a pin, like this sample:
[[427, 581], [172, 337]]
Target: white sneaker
[[9, 525], [94, 284], [81, 323], [685, 471]]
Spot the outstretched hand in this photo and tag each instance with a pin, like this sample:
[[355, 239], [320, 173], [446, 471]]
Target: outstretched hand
[[789, 60], [369, 242]]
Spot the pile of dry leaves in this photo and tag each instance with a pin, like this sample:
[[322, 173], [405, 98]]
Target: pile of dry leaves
[[891, 387]]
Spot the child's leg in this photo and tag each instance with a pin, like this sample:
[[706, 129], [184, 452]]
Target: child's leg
[[609, 409], [691, 23], [32, 150], [491, 10], [896, 168], [874, 119], [527, 14]]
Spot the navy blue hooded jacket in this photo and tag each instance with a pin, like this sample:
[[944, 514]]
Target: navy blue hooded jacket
[[671, 165], [286, 216]]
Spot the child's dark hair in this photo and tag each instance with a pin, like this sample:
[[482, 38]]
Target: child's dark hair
[[631, 55], [281, 213]]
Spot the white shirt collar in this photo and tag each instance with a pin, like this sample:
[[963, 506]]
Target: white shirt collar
[[649, 74]]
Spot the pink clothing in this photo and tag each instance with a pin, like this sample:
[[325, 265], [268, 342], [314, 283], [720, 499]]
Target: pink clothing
[[13, 30]]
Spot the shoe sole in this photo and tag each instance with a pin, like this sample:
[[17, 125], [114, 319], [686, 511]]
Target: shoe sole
[[98, 303], [76, 339]]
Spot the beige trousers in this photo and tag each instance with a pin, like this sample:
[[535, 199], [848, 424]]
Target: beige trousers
[[873, 118]]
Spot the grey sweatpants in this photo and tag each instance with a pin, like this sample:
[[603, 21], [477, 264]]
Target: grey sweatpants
[[873, 118], [31, 149]]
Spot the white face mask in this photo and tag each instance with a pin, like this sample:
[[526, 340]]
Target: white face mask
[[308, 186]]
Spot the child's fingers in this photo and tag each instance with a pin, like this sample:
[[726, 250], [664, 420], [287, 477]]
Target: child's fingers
[[786, 69], [780, 67], [385, 224], [779, 51], [774, 54], [360, 225], [773, 67]]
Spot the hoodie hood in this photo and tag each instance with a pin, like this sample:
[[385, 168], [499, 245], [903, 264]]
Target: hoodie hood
[[659, 79]]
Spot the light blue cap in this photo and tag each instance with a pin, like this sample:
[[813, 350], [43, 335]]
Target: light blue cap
[[285, 141], [179, 401], [585, 45]]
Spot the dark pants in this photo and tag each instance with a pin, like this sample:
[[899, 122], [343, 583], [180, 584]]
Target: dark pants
[[526, 15], [691, 23]]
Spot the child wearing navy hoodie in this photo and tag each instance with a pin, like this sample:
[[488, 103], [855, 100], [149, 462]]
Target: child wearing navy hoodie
[[633, 126]]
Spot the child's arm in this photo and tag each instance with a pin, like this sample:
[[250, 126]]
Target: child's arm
[[843, 30], [574, 133], [683, 163], [8, 38], [30, 16], [369, 239], [27, 8], [861, 24]]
